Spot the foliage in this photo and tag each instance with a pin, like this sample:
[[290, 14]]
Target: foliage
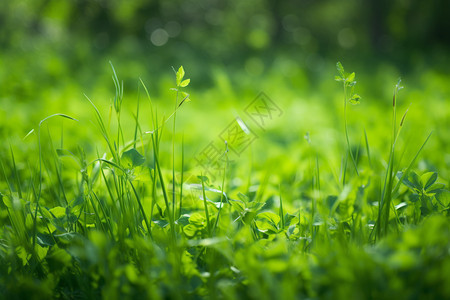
[[122, 219]]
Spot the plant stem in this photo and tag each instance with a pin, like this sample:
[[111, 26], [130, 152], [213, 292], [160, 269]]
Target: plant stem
[[346, 130]]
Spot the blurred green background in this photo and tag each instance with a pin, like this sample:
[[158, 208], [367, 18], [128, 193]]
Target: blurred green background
[[46, 43], [53, 52]]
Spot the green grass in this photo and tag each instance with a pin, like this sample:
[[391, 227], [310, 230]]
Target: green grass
[[110, 203]]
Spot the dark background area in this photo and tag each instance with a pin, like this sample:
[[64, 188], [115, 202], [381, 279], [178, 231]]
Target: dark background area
[[44, 41]]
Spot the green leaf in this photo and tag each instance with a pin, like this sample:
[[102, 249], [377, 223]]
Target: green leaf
[[183, 220], [290, 219], [266, 227], [355, 99], [180, 75], [205, 179], [412, 181], [415, 180], [79, 200], [58, 211], [268, 221], [185, 83], [350, 77], [248, 216], [7, 201], [160, 223], [443, 198], [243, 197], [427, 206], [338, 78], [59, 257], [190, 230], [23, 255], [197, 220], [132, 158], [340, 69], [270, 217], [70, 237], [428, 179], [44, 240], [185, 96], [238, 205], [414, 197], [435, 188], [401, 205], [46, 213], [56, 115], [141, 173]]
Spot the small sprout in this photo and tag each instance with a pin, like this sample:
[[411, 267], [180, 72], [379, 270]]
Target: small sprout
[[397, 88], [350, 78], [340, 69], [337, 78], [179, 76], [355, 99], [350, 96]]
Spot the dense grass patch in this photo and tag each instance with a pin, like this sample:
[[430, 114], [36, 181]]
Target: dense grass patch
[[325, 200]]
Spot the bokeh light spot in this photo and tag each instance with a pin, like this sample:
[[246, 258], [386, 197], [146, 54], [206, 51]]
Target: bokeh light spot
[[159, 37], [258, 39]]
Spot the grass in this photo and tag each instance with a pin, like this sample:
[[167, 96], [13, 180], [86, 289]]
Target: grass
[[129, 217]]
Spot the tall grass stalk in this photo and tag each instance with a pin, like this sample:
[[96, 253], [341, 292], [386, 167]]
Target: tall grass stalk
[[174, 181], [40, 175], [389, 190], [349, 150], [348, 81], [205, 203], [222, 190]]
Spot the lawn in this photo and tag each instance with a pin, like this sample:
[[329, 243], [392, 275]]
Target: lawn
[[275, 175]]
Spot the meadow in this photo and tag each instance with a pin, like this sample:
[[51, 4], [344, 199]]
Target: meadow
[[272, 187]]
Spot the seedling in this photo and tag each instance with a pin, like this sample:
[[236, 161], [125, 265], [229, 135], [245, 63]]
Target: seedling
[[348, 81]]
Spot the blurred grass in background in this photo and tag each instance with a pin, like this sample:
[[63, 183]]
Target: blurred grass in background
[[47, 43], [54, 51]]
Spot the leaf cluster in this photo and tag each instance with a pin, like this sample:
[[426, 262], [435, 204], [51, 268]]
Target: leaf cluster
[[348, 80]]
